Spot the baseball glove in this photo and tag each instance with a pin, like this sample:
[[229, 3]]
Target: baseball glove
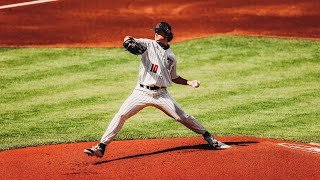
[[134, 47]]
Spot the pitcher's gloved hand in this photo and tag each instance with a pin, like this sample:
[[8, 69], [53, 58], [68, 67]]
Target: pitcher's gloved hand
[[134, 47]]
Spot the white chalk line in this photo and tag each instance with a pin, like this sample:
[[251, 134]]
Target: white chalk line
[[315, 144], [25, 4], [310, 149]]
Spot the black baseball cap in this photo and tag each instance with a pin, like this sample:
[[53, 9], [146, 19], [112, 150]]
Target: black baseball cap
[[165, 28]]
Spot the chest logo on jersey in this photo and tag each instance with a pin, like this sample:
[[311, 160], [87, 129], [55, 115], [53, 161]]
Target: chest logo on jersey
[[169, 63]]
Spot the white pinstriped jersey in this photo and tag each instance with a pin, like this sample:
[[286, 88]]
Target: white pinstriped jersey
[[157, 66]]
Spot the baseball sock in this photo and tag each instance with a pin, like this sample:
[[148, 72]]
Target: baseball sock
[[206, 134], [103, 146]]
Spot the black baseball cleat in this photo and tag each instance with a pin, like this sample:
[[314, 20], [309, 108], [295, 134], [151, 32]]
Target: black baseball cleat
[[96, 150], [213, 142]]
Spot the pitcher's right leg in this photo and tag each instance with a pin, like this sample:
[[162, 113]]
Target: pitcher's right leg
[[135, 102]]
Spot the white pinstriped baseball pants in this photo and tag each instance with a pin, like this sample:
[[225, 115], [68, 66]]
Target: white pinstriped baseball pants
[[141, 98]]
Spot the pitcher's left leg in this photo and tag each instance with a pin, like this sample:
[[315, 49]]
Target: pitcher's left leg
[[169, 106]]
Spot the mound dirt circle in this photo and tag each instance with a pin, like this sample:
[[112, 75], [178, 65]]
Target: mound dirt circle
[[177, 158]]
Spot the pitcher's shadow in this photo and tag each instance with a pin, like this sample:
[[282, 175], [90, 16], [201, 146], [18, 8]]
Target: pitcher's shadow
[[179, 148]]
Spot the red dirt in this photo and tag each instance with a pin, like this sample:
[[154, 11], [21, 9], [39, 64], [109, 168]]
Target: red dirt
[[106, 22], [181, 158]]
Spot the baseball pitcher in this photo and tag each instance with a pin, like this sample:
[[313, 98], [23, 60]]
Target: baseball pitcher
[[158, 70]]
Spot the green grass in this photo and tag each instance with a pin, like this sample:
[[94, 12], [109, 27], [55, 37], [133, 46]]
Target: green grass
[[251, 86]]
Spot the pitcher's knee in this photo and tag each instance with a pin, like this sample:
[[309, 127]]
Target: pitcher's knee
[[122, 116]]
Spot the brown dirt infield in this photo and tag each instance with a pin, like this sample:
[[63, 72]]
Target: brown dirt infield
[[178, 158], [104, 23]]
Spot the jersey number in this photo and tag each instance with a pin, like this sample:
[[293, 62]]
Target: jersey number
[[154, 68]]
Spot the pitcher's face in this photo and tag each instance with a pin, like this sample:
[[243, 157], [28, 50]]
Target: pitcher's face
[[159, 35]]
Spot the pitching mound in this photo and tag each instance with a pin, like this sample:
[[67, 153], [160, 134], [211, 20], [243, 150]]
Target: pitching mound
[[180, 158]]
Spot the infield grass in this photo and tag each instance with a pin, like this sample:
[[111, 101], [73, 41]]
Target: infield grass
[[251, 86]]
